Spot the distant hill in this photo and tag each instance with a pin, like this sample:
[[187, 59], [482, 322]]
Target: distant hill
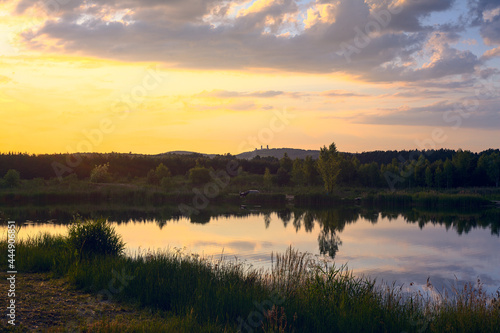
[[279, 152], [183, 152], [274, 152], [379, 156]]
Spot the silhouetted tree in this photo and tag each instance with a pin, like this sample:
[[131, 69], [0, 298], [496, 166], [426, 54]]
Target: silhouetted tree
[[491, 165], [463, 162], [329, 166]]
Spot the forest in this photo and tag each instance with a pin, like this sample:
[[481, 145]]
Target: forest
[[440, 169]]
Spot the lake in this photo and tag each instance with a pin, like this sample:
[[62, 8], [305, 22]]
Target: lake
[[405, 247]]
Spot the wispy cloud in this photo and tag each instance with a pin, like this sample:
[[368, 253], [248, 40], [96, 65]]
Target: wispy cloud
[[440, 114], [236, 94]]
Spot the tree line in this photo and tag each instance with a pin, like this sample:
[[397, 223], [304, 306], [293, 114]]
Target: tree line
[[396, 169]]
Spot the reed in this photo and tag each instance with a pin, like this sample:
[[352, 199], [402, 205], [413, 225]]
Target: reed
[[300, 293]]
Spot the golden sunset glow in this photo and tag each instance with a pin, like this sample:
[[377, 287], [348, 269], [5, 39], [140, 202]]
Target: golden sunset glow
[[218, 87]]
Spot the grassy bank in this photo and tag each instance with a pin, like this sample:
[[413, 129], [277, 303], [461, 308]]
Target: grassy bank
[[299, 294], [180, 191]]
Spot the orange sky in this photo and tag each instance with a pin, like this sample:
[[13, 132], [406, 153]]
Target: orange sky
[[63, 91]]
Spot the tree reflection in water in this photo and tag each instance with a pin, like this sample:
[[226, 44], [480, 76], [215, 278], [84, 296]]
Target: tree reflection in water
[[330, 221]]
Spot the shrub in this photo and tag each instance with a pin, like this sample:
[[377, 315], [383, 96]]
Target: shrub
[[12, 178], [162, 171], [199, 175], [100, 174], [94, 237]]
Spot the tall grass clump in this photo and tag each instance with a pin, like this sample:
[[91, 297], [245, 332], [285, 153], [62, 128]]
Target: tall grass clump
[[40, 253], [469, 309], [321, 297], [91, 238], [216, 291]]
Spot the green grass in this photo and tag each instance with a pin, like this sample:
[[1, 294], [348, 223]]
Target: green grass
[[298, 294]]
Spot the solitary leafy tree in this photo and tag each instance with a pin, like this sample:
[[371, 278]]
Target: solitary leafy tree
[[329, 166], [12, 178], [100, 174]]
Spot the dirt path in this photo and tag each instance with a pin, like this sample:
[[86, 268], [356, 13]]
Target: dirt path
[[46, 304]]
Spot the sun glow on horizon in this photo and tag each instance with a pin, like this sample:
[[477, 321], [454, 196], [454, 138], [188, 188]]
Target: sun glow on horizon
[[59, 82]]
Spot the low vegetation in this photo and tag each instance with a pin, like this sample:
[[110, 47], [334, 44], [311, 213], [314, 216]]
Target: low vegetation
[[300, 293], [92, 238]]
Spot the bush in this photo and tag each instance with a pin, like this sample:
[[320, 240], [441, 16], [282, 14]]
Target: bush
[[162, 172], [12, 178], [100, 174], [94, 237], [199, 175]]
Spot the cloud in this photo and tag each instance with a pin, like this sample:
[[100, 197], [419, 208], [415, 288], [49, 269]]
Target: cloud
[[490, 30], [419, 93], [471, 112], [236, 94], [388, 37], [486, 15], [442, 60], [492, 53], [412, 13], [340, 93], [239, 106]]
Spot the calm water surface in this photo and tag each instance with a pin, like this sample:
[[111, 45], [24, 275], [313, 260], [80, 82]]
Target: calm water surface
[[383, 246]]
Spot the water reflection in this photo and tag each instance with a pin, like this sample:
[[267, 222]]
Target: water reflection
[[330, 220], [404, 246]]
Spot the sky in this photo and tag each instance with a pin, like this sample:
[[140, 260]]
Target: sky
[[218, 76]]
